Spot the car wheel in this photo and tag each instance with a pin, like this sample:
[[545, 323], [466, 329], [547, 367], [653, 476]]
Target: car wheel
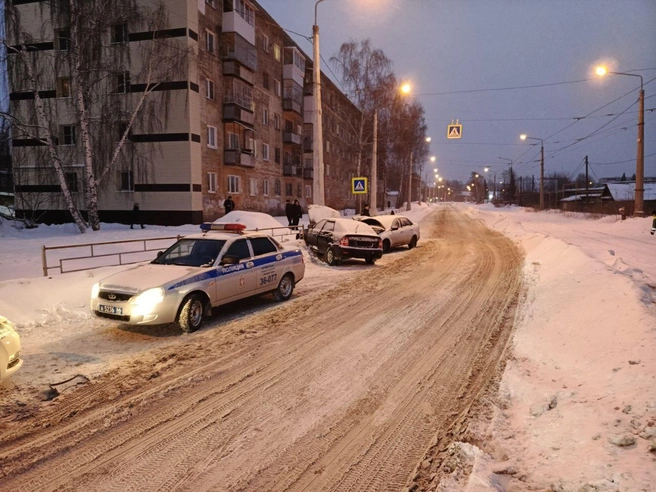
[[285, 288], [413, 242], [370, 261], [386, 246], [191, 314], [331, 259]]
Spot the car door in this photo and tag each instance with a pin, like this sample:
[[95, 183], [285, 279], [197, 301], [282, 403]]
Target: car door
[[325, 236], [397, 233], [269, 264], [237, 281], [312, 232]]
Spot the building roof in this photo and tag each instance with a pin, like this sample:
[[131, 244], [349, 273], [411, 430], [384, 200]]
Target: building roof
[[626, 191]]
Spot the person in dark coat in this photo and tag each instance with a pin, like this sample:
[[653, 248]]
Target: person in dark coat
[[392, 212], [297, 213], [289, 213], [365, 211], [136, 216], [653, 224], [228, 204]]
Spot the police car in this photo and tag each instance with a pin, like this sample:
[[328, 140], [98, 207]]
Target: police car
[[201, 271]]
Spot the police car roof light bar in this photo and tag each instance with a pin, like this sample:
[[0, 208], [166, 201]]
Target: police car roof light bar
[[209, 226]]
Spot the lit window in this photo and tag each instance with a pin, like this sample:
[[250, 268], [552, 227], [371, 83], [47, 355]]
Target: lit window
[[276, 52], [64, 87]]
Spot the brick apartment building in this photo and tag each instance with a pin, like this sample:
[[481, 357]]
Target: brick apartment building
[[240, 124]]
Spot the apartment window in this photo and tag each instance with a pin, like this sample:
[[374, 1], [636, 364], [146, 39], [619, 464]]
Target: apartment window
[[277, 52], [211, 3], [250, 145], [327, 170], [299, 189], [277, 156], [122, 127], [276, 121], [253, 183], [265, 116], [265, 152], [120, 33], [289, 189], [277, 187], [278, 87], [211, 137], [327, 146], [265, 187], [245, 11], [123, 83], [71, 181], [63, 39], [127, 181], [265, 80], [211, 182], [64, 87], [308, 191], [67, 135], [265, 42], [234, 184], [209, 89], [233, 141], [210, 42]]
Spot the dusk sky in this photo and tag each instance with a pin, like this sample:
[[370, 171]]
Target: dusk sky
[[446, 46]]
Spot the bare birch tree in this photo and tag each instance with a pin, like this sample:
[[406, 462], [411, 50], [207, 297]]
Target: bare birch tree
[[111, 84]]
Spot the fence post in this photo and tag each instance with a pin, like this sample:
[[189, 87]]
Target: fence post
[[44, 266]]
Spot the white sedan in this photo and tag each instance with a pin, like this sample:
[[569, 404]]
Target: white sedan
[[394, 230], [10, 360], [197, 273]]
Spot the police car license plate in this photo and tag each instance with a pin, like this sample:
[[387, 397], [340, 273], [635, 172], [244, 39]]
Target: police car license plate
[[110, 309]]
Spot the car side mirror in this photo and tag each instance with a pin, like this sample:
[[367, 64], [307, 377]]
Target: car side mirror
[[230, 260], [160, 253]]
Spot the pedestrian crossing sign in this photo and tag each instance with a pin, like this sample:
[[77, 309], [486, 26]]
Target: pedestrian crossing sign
[[359, 186], [454, 131]]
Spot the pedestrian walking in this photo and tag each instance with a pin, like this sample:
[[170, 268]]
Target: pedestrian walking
[[136, 216], [289, 213], [365, 211], [229, 204], [297, 213], [653, 224]]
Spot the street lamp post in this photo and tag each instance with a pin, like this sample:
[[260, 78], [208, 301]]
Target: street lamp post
[[638, 208], [524, 137], [374, 166], [317, 156]]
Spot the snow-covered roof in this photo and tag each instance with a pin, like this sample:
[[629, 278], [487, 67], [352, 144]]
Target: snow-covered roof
[[252, 220], [575, 198], [626, 191]]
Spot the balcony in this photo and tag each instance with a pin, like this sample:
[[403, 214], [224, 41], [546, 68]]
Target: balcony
[[292, 138], [236, 157], [308, 173], [289, 170], [236, 48], [289, 104], [235, 22], [235, 69]]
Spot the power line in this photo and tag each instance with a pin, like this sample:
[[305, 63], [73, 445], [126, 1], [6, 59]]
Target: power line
[[621, 162], [502, 88]]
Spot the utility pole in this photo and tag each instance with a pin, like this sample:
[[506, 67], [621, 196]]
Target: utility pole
[[317, 156], [587, 190], [640, 159], [374, 167], [410, 185], [541, 175]]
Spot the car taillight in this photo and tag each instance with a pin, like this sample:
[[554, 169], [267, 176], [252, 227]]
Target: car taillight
[[344, 242], [380, 243]]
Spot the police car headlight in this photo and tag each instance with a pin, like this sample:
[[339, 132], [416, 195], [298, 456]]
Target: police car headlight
[[95, 290], [146, 302]]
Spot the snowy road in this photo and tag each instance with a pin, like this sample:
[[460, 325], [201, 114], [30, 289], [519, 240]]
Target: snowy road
[[349, 389]]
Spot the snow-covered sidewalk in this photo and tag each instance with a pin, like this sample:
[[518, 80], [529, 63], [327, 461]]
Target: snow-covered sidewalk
[[578, 397]]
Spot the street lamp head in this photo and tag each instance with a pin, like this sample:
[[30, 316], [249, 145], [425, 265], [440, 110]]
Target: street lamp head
[[486, 169], [477, 175], [601, 71], [433, 160], [428, 139], [435, 170], [406, 88], [523, 136]]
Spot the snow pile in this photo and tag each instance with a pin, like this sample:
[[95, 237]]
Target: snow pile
[[252, 220], [578, 397], [320, 212]]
